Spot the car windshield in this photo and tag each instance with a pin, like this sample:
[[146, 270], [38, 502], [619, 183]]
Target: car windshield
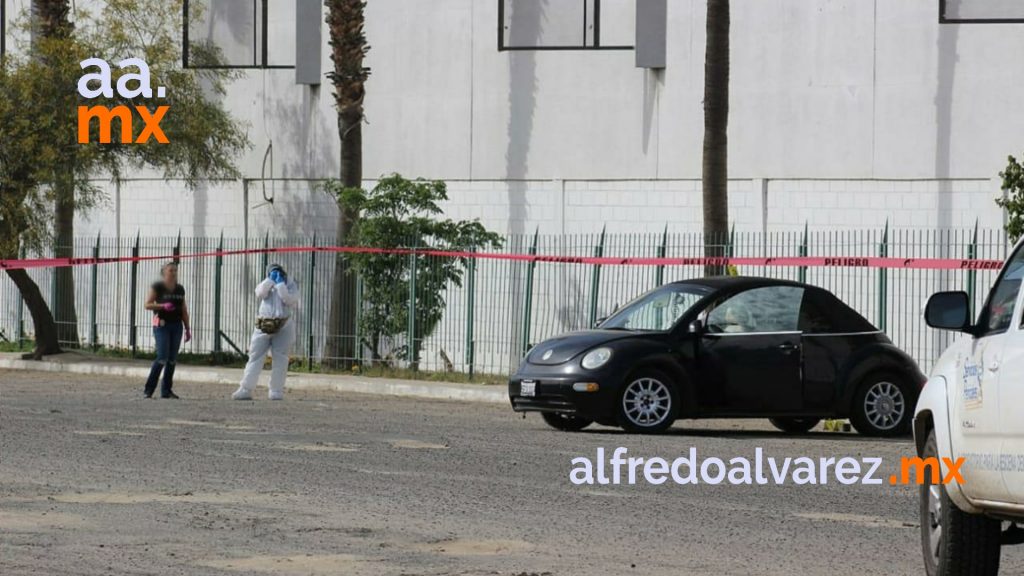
[[658, 309]]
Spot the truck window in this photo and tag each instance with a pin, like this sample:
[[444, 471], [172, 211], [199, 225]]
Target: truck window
[[997, 313]]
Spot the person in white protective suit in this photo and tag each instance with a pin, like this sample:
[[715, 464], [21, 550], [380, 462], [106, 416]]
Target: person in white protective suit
[[278, 296]]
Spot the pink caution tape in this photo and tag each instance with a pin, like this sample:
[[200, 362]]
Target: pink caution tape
[[798, 261]]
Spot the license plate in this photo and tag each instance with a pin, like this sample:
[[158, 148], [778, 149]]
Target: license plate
[[528, 388]]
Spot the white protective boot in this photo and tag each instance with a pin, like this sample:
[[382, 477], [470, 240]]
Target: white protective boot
[[241, 394]]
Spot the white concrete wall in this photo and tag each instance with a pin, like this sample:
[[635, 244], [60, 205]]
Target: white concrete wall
[[854, 112]]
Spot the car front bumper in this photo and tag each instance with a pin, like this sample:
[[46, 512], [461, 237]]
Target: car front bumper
[[553, 392]]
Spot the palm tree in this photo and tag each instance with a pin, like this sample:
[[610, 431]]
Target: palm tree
[[345, 22], [715, 174]]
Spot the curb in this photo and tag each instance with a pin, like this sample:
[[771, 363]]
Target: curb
[[226, 376]]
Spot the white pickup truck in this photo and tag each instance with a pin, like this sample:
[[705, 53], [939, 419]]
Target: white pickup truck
[[973, 408]]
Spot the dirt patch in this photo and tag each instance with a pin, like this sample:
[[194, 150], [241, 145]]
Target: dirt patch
[[307, 565], [29, 521], [417, 445], [117, 497], [206, 424], [873, 521], [476, 547], [317, 447], [107, 433]]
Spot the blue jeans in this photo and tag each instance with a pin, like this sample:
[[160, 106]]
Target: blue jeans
[[168, 341]]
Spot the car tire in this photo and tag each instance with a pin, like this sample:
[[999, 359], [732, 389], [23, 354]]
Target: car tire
[[883, 405], [565, 422], [954, 542], [794, 425], [648, 402]]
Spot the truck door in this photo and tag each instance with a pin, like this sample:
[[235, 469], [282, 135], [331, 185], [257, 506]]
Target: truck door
[[994, 359], [1008, 399]]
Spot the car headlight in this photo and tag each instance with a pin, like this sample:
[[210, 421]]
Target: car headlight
[[596, 358]]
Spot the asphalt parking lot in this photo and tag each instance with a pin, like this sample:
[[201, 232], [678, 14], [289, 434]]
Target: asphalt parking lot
[[96, 481]]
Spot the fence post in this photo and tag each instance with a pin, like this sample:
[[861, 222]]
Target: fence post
[[883, 280], [218, 294], [972, 275], [21, 310], [133, 335], [266, 255], [803, 254], [470, 303], [731, 269], [659, 272], [411, 337], [524, 344], [94, 282], [595, 280], [359, 321], [310, 283]]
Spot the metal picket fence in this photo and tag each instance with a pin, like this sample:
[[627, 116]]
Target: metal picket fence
[[500, 307]]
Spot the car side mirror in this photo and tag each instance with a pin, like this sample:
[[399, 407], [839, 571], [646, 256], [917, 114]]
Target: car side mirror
[[600, 321], [695, 327], [948, 311]]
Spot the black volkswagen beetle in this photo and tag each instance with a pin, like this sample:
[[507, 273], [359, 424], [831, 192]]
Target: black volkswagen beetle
[[727, 347]]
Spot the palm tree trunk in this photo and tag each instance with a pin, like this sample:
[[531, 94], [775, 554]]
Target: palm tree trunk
[[345, 22], [715, 174], [341, 344]]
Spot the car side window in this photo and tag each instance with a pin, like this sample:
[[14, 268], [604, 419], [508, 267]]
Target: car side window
[[996, 315], [768, 309], [813, 317], [821, 312]]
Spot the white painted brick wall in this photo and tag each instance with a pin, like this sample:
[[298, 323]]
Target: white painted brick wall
[[162, 208]]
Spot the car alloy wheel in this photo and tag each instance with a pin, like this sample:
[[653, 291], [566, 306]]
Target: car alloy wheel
[[884, 406], [647, 402]]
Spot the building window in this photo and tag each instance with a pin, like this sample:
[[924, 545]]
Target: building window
[[3, 27], [566, 24], [238, 34]]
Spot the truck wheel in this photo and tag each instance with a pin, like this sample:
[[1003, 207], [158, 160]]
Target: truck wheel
[[648, 403], [883, 405], [954, 542], [794, 425], [565, 422]]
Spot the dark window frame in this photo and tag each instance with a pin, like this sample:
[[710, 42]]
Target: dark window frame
[[944, 20], [260, 44], [597, 34]]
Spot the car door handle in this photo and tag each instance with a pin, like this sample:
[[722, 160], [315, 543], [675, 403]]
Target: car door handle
[[788, 347], [993, 366]]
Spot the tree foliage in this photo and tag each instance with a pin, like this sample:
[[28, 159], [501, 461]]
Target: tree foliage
[[40, 156], [400, 213], [1013, 203]]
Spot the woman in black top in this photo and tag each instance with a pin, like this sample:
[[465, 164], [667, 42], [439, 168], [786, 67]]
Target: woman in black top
[[166, 300]]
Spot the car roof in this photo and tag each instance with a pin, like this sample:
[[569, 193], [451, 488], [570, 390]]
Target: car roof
[[740, 282]]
